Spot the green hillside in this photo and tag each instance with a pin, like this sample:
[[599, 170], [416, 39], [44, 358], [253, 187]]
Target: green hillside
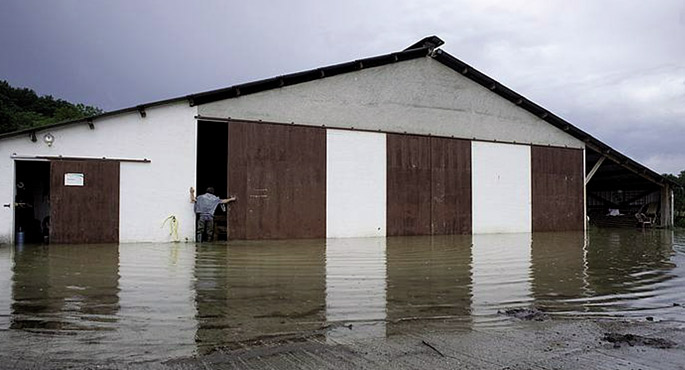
[[22, 108]]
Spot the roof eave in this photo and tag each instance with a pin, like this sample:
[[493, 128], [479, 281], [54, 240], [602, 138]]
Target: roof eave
[[90, 119]]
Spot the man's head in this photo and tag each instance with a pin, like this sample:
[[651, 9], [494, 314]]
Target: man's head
[[210, 190]]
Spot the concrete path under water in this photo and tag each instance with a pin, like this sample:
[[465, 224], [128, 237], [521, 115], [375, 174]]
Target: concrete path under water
[[378, 302]]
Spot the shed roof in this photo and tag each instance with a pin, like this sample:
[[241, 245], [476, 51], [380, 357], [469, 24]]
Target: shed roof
[[426, 47]]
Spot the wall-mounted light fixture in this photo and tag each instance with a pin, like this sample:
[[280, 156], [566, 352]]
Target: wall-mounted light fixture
[[48, 139]]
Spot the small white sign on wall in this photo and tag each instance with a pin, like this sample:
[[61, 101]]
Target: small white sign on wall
[[73, 179]]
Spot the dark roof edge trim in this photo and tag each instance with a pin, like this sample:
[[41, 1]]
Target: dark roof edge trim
[[137, 108], [547, 116], [307, 76]]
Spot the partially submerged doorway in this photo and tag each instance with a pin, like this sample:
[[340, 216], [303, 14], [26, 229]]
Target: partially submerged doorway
[[32, 202], [212, 168], [66, 201]]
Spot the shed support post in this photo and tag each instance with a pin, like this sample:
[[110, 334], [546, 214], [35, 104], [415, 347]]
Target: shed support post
[[594, 169], [666, 206]]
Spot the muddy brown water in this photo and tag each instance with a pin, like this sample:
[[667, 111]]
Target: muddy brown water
[[153, 302]]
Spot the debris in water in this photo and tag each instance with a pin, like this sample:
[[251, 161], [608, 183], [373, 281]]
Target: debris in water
[[528, 314], [433, 348], [637, 340]]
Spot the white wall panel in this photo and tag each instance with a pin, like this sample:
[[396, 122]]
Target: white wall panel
[[355, 184], [501, 188]]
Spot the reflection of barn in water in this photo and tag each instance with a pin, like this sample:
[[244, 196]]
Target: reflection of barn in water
[[626, 262], [65, 288], [429, 285], [249, 290], [608, 271], [558, 269], [414, 142]]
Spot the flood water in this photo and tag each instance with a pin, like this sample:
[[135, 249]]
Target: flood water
[[152, 302]]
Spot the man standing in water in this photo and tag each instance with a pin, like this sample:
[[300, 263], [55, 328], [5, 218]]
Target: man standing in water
[[205, 205]]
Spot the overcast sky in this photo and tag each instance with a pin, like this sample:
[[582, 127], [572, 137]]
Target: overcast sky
[[613, 68]]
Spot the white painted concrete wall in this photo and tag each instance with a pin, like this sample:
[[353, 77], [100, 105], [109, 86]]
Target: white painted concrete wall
[[149, 192], [420, 96], [355, 184], [501, 188]]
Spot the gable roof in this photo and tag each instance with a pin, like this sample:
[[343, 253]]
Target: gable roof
[[426, 47]]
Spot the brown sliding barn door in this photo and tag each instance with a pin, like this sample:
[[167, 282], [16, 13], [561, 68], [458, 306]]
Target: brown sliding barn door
[[409, 185], [557, 188], [84, 201], [429, 185], [451, 186], [278, 173]]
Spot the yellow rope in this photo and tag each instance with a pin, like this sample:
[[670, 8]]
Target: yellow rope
[[173, 226]]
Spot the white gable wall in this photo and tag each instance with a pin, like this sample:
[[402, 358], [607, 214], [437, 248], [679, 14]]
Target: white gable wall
[[420, 96], [149, 192]]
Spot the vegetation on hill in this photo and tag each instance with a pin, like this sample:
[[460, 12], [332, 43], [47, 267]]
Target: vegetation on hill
[[22, 108]]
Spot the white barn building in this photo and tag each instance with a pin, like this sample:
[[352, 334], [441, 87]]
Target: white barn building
[[414, 142]]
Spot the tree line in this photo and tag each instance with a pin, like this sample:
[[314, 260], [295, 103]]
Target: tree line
[[22, 108]]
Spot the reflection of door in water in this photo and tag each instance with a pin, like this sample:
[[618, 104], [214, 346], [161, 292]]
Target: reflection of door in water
[[85, 201]]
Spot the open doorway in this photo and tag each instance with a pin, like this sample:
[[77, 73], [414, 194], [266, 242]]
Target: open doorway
[[32, 202], [212, 168]]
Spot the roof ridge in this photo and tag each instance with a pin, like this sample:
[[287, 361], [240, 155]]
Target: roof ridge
[[428, 42]]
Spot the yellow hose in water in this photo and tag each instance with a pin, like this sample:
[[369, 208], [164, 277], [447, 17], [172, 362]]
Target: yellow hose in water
[[173, 227]]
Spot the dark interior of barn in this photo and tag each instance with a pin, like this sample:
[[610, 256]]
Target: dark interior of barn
[[212, 167], [32, 202], [618, 196]]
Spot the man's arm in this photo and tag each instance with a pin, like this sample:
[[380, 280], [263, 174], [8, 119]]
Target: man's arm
[[229, 200], [192, 195]]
